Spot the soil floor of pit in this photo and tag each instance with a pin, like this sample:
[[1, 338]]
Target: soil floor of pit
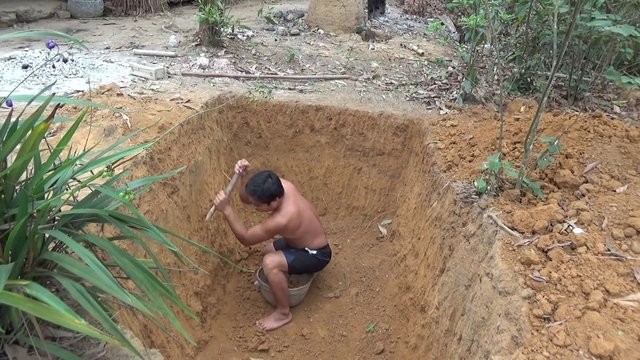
[[569, 282]]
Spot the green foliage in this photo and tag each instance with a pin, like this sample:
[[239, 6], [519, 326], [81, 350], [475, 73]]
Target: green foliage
[[492, 180], [214, 20], [435, 27], [606, 40], [65, 219]]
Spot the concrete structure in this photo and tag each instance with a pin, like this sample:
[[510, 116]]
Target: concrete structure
[[343, 16]]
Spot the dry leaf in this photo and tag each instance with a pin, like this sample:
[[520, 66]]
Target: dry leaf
[[537, 277], [636, 273], [383, 231], [590, 167], [386, 222], [622, 189], [605, 222], [629, 300]]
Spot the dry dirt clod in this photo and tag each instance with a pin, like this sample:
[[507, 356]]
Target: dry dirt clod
[[559, 337], [565, 179], [634, 222], [617, 234], [601, 348], [635, 246], [630, 232], [379, 348], [530, 258]]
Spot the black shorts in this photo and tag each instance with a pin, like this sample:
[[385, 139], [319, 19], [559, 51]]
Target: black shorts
[[303, 261]]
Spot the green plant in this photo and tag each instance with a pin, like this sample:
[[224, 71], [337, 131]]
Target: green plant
[[214, 20], [261, 91], [492, 180], [292, 55], [435, 27], [69, 231]]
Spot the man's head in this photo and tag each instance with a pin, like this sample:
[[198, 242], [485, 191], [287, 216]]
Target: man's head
[[265, 190]]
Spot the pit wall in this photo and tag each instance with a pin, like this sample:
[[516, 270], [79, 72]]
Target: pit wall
[[459, 301], [462, 302]]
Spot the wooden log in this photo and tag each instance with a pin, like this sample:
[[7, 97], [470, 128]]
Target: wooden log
[[275, 77]]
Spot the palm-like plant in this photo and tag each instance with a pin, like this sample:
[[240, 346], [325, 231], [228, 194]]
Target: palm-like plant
[[53, 198]]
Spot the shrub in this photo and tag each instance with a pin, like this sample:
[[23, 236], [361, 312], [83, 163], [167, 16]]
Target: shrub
[[53, 199]]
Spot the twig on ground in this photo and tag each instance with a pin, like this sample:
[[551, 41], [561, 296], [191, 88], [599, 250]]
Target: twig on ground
[[612, 250], [555, 323], [553, 246], [503, 226]]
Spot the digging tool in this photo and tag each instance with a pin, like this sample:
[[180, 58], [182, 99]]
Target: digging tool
[[227, 191]]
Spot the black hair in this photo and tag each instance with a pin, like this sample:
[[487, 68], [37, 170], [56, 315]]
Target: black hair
[[264, 187]]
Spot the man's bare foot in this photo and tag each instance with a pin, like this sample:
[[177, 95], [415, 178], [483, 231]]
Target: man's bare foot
[[274, 321]]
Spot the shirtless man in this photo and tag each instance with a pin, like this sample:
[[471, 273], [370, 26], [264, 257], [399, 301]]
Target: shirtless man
[[302, 246]]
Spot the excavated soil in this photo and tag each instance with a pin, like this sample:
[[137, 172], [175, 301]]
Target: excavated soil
[[445, 283], [434, 287]]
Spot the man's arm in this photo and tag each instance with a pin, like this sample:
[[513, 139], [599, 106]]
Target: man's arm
[[254, 235]]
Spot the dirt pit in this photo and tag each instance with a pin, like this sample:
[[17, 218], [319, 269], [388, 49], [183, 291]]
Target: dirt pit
[[432, 288]]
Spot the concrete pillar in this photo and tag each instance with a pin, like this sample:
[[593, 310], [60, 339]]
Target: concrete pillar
[[338, 16]]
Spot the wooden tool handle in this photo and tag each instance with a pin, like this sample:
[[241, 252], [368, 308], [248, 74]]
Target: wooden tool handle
[[227, 191]]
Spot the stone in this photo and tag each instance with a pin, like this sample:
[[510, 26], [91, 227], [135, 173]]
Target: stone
[[7, 19], [634, 222], [263, 347], [565, 179], [28, 14], [529, 258], [282, 31], [601, 348], [630, 232], [635, 214], [63, 14], [378, 348], [294, 32], [617, 234]]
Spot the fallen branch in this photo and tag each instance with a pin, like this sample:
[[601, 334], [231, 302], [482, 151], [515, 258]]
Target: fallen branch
[[275, 77], [528, 240], [503, 226], [154, 53]]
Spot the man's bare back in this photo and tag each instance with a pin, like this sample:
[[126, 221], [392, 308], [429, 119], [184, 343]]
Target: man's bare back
[[302, 227], [302, 246]]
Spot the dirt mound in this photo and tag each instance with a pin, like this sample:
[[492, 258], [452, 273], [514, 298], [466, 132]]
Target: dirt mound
[[573, 278], [431, 287]]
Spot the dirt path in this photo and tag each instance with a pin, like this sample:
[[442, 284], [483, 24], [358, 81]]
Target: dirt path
[[445, 283]]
